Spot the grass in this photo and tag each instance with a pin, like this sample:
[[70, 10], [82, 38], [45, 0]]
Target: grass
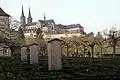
[[11, 68]]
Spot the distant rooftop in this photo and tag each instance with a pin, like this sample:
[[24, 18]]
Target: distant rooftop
[[47, 21], [62, 26], [74, 26], [2, 13], [69, 26], [31, 24]]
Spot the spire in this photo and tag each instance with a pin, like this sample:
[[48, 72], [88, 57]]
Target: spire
[[22, 14], [29, 19], [22, 18], [44, 17], [29, 14]]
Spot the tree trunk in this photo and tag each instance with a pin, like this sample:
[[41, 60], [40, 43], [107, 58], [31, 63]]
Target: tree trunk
[[114, 49], [84, 50], [17, 51], [67, 50], [92, 51], [76, 50], [101, 49], [12, 50]]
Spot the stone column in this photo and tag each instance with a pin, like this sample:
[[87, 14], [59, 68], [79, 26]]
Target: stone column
[[1, 51], [4, 51], [8, 52], [54, 55], [34, 54], [24, 54]]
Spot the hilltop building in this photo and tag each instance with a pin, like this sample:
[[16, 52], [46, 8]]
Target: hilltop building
[[47, 26], [73, 28]]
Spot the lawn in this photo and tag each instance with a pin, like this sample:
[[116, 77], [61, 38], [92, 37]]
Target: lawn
[[11, 68]]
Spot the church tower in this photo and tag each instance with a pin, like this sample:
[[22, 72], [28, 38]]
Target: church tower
[[44, 17], [29, 19], [22, 18]]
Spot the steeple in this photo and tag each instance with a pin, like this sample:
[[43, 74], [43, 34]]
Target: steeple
[[29, 19], [22, 18], [22, 14], [44, 17], [29, 14]]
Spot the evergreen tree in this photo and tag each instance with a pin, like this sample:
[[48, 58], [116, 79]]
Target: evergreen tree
[[20, 33], [38, 32], [40, 40]]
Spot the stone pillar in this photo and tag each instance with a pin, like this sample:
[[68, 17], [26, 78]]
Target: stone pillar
[[34, 54], [54, 55], [4, 51], [24, 54], [8, 52], [1, 51]]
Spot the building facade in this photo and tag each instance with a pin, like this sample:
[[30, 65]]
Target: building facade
[[47, 26], [4, 33], [73, 28], [4, 25], [4, 19]]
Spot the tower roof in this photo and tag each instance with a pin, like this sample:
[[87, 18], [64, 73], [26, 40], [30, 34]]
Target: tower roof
[[2, 13], [22, 14], [44, 16], [29, 14]]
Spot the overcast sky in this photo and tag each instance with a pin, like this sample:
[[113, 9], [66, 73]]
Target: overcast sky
[[93, 15]]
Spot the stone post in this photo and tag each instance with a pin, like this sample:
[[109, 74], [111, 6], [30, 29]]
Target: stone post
[[34, 54], [4, 51], [24, 54], [1, 51], [8, 52], [54, 54]]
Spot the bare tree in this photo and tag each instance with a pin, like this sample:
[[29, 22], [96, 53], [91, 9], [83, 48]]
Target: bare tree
[[100, 40], [40, 40], [16, 41], [13, 23], [76, 42], [113, 37], [91, 42], [83, 42], [66, 44]]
